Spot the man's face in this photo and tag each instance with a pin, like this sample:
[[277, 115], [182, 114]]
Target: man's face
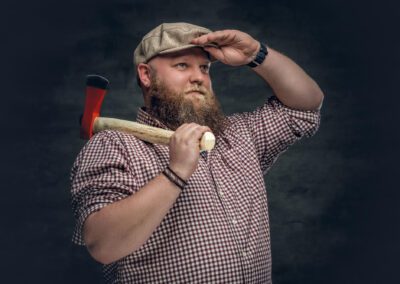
[[180, 90]]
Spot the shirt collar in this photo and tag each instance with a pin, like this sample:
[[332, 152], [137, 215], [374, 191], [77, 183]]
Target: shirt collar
[[145, 118]]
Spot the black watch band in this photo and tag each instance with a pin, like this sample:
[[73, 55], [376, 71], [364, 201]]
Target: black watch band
[[260, 57]]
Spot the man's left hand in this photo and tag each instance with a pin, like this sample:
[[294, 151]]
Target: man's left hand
[[235, 47]]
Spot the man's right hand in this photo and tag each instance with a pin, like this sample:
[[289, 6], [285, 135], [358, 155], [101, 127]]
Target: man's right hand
[[184, 149], [124, 226]]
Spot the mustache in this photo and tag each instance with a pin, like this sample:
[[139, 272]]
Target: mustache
[[201, 90]]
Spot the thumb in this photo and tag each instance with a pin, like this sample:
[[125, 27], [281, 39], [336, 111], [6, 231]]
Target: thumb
[[215, 52]]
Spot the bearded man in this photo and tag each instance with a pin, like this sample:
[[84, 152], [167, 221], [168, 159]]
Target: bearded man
[[169, 214]]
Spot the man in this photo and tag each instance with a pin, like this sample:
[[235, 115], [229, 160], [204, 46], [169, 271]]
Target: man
[[167, 214]]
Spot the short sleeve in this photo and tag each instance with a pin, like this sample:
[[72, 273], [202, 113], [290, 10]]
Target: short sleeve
[[100, 175], [274, 127]]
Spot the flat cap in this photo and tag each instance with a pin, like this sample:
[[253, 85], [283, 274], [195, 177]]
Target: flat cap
[[168, 38]]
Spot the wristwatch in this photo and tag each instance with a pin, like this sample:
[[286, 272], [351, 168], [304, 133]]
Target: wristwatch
[[260, 57]]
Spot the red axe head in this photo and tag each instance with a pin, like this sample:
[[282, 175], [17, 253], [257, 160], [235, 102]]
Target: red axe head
[[96, 87]]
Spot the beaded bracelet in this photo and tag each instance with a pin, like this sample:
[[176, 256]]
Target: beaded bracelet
[[173, 177]]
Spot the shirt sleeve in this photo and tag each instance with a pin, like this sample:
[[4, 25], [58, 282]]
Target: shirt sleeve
[[100, 175], [274, 127]]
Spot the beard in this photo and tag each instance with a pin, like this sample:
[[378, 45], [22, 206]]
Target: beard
[[175, 109]]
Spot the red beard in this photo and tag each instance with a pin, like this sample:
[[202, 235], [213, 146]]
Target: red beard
[[175, 109]]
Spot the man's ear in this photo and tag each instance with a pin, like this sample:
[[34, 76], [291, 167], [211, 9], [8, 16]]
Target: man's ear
[[144, 73]]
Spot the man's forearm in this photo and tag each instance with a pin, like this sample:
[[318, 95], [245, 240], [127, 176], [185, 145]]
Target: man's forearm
[[290, 83], [122, 227]]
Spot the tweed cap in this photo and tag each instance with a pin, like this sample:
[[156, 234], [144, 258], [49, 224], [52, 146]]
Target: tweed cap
[[168, 38]]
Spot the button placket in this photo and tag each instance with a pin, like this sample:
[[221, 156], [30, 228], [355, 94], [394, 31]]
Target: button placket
[[220, 190]]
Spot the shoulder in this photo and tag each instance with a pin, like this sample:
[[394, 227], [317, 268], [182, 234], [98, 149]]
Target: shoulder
[[108, 143], [115, 137]]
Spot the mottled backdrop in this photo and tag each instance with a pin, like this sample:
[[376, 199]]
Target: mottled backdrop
[[333, 198]]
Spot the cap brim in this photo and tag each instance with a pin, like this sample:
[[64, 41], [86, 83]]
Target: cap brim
[[171, 50]]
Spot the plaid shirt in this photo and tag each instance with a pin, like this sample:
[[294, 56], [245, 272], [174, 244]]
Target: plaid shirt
[[218, 229]]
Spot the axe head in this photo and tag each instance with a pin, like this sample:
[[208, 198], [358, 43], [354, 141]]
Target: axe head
[[96, 87]]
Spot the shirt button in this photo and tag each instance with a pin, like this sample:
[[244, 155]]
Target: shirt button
[[234, 222], [221, 193], [244, 254]]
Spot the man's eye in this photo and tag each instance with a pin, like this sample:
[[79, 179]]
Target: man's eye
[[205, 68], [181, 65]]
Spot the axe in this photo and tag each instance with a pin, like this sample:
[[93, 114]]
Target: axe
[[91, 123]]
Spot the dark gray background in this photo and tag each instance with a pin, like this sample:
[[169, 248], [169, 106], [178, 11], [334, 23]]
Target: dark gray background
[[333, 198]]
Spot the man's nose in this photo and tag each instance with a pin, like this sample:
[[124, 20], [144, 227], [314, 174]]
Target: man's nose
[[196, 76]]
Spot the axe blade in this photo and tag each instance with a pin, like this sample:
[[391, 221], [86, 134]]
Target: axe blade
[[96, 88]]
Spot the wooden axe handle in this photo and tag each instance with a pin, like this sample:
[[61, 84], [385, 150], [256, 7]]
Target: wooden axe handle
[[147, 133]]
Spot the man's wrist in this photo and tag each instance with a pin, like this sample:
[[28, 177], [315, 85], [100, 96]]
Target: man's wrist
[[174, 177], [260, 56]]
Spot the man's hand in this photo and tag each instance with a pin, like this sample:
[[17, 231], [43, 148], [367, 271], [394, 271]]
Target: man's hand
[[235, 47], [184, 149], [290, 83]]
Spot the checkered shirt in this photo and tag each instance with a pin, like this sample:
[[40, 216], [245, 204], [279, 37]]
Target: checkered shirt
[[218, 229]]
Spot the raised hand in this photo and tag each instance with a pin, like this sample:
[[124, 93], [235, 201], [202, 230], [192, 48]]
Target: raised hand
[[235, 47]]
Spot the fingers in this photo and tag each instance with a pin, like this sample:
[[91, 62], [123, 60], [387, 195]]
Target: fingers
[[215, 52], [191, 133], [195, 133], [184, 149], [200, 40], [220, 37]]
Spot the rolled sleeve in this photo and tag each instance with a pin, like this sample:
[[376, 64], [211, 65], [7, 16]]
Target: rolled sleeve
[[274, 127], [100, 175]]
